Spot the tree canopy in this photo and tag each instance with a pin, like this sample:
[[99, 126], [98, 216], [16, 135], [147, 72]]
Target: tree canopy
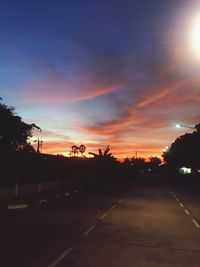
[[103, 154], [185, 151], [154, 162], [14, 133]]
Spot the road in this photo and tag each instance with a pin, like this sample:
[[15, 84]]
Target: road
[[144, 223]]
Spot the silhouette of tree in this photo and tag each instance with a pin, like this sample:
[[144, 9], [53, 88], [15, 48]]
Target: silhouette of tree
[[14, 133], [28, 148], [135, 165], [82, 149], [75, 150], [102, 154], [127, 165], [154, 162], [197, 127], [138, 163], [127, 162], [185, 151]]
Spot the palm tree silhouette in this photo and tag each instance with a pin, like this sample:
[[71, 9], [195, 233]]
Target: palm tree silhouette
[[34, 126], [82, 149], [75, 150], [39, 144], [102, 154]]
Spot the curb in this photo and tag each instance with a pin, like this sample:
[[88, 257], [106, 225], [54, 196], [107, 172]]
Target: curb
[[17, 206]]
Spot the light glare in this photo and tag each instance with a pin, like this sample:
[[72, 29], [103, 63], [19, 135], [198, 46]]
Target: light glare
[[195, 36]]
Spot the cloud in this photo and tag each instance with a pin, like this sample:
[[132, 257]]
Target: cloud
[[126, 73], [55, 147], [122, 108], [59, 91], [152, 112], [48, 135]]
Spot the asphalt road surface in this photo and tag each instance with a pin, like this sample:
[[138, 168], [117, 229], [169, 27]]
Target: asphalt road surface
[[143, 222]]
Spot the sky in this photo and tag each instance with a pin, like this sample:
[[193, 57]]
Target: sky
[[115, 72]]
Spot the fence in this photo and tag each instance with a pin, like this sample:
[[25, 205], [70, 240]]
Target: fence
[[35, 188]]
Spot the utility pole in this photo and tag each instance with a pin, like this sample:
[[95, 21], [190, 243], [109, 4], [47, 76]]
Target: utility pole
[[39, 144]]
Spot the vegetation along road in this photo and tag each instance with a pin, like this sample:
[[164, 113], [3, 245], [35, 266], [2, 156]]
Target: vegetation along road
[[142, 222]]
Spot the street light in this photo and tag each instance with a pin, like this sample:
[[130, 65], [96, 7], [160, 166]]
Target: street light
[[166, 149], [185, 126]]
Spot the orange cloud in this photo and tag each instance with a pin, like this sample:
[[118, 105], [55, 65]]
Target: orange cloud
[[59, 91]]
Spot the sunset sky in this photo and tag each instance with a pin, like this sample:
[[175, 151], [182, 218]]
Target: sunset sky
[[98, 72]]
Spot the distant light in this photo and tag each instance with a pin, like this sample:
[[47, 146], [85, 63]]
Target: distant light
[[166, 149], [178, 126], [185, 170]]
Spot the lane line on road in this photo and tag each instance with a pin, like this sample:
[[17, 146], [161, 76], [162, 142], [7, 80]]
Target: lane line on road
[[113, 206], [196, 223], [172, 193], [103, 216], [61, 257], [187, 211], [120, 201], [75, 191], [89, 230]]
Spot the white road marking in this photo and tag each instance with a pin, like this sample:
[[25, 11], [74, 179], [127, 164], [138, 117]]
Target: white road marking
[[187, 211], [103, 216], [67, 194], [196, 223], [173, 194], [41, 201], [61, 257], [113, 206], [17, 206], [181, 204], [89, 230], [120, 201]]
